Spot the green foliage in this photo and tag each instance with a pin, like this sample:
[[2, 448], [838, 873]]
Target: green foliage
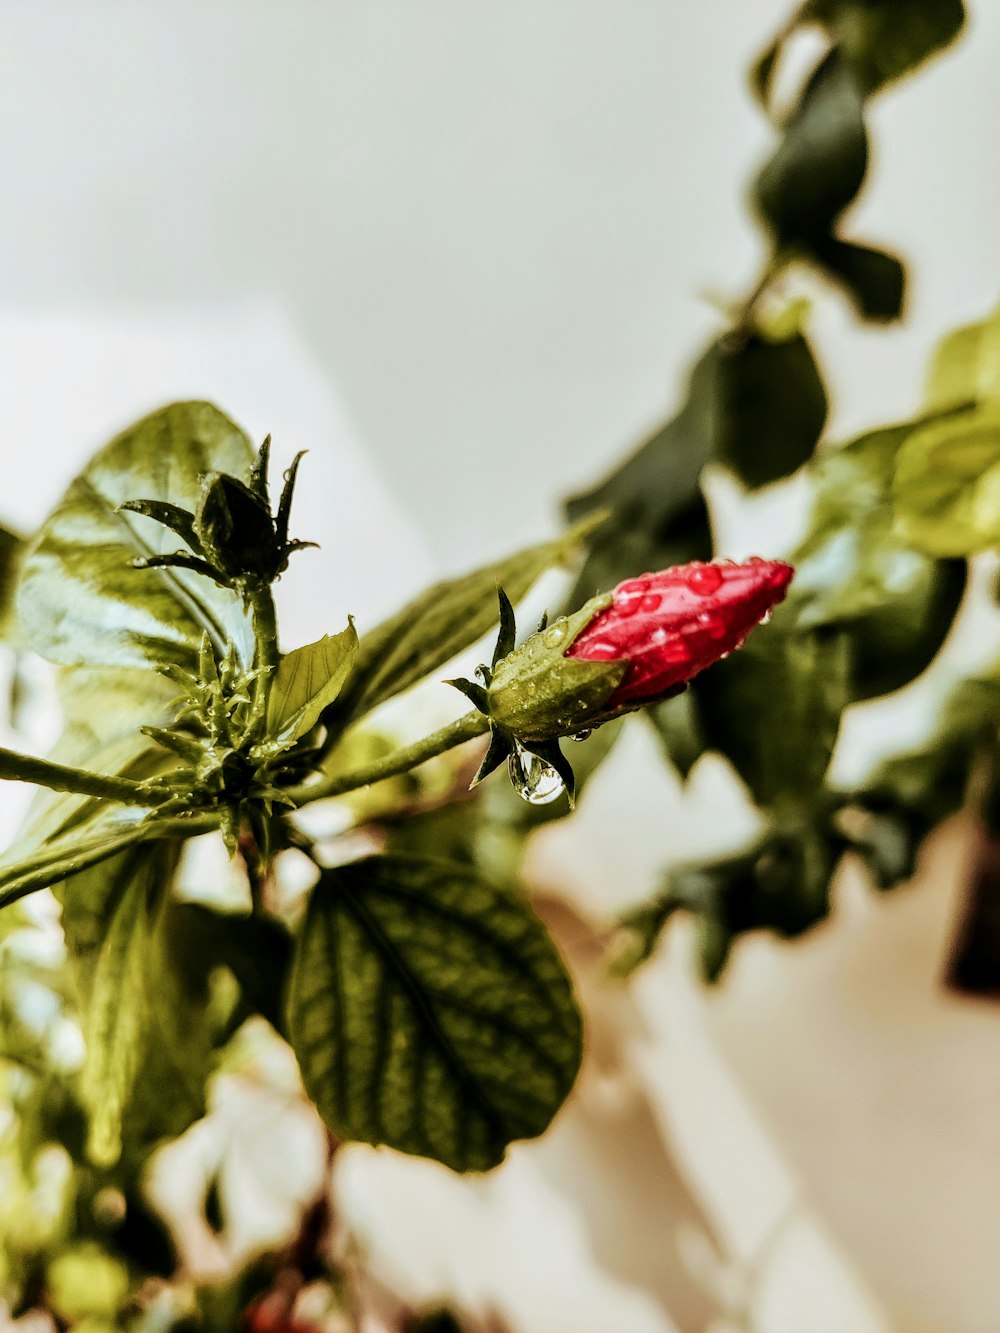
[[306, 683], [430, 1012], [80, 601], [774, 709], [450, 616], [947, 483], [858, 571]]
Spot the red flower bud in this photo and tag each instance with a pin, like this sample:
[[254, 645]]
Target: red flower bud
[[671, 625]]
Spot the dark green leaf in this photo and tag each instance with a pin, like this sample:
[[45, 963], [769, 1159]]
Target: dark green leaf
[[885, 39], [438, 624], [676, 723], [307, 681], [771, 407], [820, 163], [856, 571], [429, 1011], [11, 547], [773, 709], [875, 281], [80, 602]]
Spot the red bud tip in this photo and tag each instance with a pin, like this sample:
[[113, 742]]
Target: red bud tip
[[671, 625]]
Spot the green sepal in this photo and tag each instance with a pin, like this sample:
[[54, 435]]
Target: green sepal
[[172, 516], [539, 694], [508, 628], [476, 694], [500, 748], [181, 560]]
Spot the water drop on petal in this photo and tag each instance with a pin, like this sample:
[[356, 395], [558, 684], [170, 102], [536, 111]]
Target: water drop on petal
[[535, 781], [704, 579]]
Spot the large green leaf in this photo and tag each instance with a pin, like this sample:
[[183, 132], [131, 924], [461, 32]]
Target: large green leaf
[[858, 572], [144, 1001], [307, 681], [80, 602], [438, 624], [947, 484], [885, 39], [429, 1011], [820, 162], [773, 709]]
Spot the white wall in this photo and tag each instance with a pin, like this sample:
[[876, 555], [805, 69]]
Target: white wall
[[494, 221]]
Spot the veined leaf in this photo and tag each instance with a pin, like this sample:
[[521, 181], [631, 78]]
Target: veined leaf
[[307, 681], [62, 858], [441, 622], [947, 483], [80, 602], [430, 1011]]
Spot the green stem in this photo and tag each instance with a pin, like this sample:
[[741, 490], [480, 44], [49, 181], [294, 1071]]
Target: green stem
[[466, 728], [16, 767], [265, 626]]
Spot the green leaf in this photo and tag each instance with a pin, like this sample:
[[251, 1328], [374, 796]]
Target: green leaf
[[676, 723], [820, 163], [438, 624], [307, 681], [60, 859], [429, 1011], [80, 602], [874, 280], [144, 1002], [966, 366], [885, 39], [857, 571], [771, 407], [947, 483], [116, 1011], [773, 709]]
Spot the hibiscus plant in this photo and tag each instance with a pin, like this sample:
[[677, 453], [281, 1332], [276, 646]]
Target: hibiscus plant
[[426, 1006]]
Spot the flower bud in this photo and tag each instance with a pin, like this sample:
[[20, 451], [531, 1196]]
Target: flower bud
[[634, 646]]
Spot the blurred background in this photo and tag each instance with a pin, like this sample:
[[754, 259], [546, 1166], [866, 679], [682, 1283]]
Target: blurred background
[[472, 248]]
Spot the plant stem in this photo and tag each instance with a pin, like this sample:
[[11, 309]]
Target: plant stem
[[265, 625], [58, 777], [464, 729]]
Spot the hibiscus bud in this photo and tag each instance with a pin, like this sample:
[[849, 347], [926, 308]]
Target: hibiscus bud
[[671, 625], [633, 646]]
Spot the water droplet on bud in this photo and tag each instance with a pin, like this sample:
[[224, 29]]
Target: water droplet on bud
[[553, 637], [582, 735], [535, 781], [704, 579]]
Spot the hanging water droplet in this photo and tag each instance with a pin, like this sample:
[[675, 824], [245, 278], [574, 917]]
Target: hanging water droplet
[[581, 735], [704, 579], [482, 674], [533, 779]]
